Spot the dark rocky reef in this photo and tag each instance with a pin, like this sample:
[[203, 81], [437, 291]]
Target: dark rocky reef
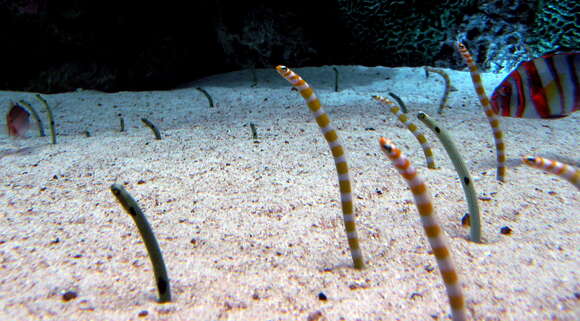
[[405, 32], [505, 32], [107, 45], [557, 24], [497, 33], [54, 46]]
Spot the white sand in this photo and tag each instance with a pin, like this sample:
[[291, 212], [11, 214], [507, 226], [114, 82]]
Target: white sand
[[254, 230]]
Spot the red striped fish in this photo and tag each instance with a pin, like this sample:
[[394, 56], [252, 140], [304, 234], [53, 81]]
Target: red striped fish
[[545, 87], [17, 120]]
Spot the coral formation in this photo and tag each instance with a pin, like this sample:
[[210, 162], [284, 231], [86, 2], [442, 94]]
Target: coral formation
[[497, 32], [260, 33], [409, 33], [556, 24]]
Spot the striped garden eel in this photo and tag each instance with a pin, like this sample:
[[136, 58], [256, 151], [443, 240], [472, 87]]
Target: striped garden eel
[[491, 115], [565, 171], [430, 226], [339, 159], [447, 87], [412, 127]]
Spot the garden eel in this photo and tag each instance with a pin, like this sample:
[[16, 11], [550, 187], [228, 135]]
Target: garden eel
[[338, 153], [491, 115], [412, 127], [430, 226], [565, 171]]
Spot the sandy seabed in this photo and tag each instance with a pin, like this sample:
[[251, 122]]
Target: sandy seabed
[[253, 230]]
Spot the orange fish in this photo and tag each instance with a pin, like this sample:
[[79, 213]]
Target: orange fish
[[17, 120]]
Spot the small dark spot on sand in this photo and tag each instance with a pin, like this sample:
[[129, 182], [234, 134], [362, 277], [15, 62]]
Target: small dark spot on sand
[[69, 295], [465, 220], [505, 230], [322, 296], [143, 313]]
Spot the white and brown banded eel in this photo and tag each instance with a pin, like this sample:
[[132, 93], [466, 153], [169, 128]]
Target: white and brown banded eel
[[431, 226], [565, 171], [338, 153], [491, 115], [403, 118]]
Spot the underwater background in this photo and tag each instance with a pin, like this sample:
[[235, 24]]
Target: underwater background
[[179, 161], [56, 46]]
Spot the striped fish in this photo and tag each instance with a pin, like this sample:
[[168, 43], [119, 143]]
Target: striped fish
[[545, 87], [17, 120]]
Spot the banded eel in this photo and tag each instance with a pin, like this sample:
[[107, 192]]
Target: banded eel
[[338, 153], [445, 97], [412, 127], [430, 226], [491, 115], [565, 171]]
